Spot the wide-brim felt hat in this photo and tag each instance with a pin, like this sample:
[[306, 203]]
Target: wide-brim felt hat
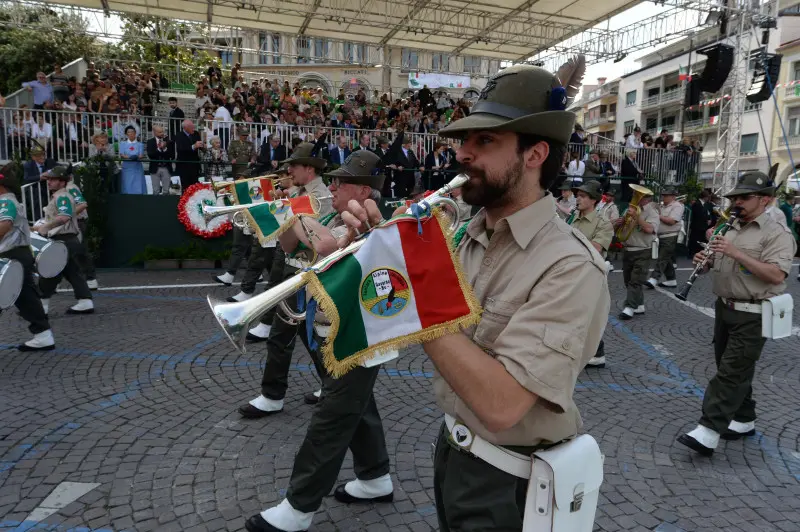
[[361, 167], [304, 154], [669, 191], [242, 131], [521, 99], [59, 172], [593, 188], [753, 183]]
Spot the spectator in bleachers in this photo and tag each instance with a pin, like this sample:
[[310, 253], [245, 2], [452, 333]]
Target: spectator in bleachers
[[42, 132], [270, 154], [188, 147], [576, 167], [131, 151], [176, 117], [71, 138], [435, 165], [340, 152], [161, 152], [42, 91], [216, 161]]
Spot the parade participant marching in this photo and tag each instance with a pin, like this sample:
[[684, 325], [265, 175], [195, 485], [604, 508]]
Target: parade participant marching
[[609, 209], [599, 232], [669, 227], [638, 255], [84, 257], [304, 167], [506, 385], [566, 203], [15, 244], [61, 224], [347, 416], [750, 264]]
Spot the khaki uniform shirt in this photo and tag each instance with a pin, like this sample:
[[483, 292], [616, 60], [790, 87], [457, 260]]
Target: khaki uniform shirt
[[763, 239], [640, 240], [78, 198], [20, 234], [675, 211], [316, 187], [545, 297], [61, 204], [595, 228], [777, 214], [242, 152], [610, 212]]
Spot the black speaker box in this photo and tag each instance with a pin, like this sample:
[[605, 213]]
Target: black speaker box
[[760, 89], [718, 66]]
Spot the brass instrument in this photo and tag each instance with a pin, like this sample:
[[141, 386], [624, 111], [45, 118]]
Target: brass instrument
[[629, 222], [237, 318], [573, 213]]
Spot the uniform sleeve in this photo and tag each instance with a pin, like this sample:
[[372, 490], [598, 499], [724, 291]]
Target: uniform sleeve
[[652, 217], [543, 345], [604, 233], [8, 210], [64, 205], [779, 249], [77, 195]]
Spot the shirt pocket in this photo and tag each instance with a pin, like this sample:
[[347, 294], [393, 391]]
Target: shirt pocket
[[495, 318]]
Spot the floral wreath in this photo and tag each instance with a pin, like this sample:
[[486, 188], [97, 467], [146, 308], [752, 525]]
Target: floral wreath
[[190, 212]]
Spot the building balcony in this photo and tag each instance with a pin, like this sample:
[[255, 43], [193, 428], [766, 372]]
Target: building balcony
[[602, 92], [672, 97], [793, 142], [791, 93], [602, 119], [701, 125], [650, 102]]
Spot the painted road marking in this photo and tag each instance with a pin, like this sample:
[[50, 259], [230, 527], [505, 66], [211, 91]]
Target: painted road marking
[[64, 494]]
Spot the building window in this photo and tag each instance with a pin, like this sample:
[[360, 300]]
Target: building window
[[320, 50], [355, 53], [752, 106], [472, 64], [630, 99], [440, 62], [303, 49], [749, 143], [410, 59], [668, 123], [796, 75], [793, 129], [276, 48], [226, 58], [629, 125], [263, 49]]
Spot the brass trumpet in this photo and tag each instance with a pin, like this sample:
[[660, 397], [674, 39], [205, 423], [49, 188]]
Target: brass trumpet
[[237, 318], [625, 230]]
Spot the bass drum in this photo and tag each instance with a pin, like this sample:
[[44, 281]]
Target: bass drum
[[11, 276], [50, 255]]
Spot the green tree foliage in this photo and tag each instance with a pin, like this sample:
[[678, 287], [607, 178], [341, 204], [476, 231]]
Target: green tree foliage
[[25, 51]]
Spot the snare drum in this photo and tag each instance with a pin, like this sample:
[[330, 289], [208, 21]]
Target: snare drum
[[50, 255], [11, 276]]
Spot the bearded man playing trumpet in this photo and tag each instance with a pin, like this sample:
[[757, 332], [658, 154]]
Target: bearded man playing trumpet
[[346, 416]]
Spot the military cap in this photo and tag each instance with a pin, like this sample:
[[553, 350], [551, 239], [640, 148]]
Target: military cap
[[59, 172], [669, 191], [753, 183], [242, 131], [521, 99], [361, 167], [304, 154], [593, 188], [36, 150]]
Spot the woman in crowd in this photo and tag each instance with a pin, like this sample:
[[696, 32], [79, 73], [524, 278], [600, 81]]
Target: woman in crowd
[[215, 160], [131, 151]]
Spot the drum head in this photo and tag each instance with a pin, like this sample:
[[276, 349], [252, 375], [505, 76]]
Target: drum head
[[11, 276], [52, 259]]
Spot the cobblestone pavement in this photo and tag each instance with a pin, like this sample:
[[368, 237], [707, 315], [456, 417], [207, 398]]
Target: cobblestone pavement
[[141, 398]]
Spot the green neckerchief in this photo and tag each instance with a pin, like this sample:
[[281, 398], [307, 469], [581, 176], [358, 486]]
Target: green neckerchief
[[459, 236]]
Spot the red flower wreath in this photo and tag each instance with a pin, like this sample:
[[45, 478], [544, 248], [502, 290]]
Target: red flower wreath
[[190, 212]]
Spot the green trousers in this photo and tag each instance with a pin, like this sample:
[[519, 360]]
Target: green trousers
[[666, 258], [635, 265], [472, 495], [737, 347], [346, 417]]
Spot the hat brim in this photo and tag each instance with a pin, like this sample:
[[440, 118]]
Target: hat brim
[[316, 162], [593, 195], [556, 125], [767, 191], [374, 181]]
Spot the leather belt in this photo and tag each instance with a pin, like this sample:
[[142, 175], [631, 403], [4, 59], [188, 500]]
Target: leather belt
[[510, 462], [753, 308]]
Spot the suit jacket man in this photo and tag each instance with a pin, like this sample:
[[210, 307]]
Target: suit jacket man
[[267, 154], [339, 155], [33, 171], [188, 158], [160, 157], [32, 174], [406, 179], [699, 226]]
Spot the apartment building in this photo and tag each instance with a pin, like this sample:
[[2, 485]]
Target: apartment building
[[786, 124], [600, 112]]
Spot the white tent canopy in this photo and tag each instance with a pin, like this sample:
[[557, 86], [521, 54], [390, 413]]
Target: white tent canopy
[[503, 29]]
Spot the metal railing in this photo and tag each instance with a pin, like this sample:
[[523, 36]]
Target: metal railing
[[35, 198], [792, 91]]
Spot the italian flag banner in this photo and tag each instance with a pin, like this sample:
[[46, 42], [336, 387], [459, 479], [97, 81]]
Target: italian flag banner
[[272, 218], [252, 190], [399, 288]]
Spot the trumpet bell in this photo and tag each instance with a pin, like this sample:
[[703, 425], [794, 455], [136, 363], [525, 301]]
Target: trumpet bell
[[625, 230], [230, 317]]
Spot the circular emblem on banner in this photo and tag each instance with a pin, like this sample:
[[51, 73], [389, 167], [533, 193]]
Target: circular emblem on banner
[[461, 435], [384, 292], [256, 193], [278, 208]]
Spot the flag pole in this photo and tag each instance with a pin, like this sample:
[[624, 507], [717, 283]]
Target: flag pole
[[685, 113]]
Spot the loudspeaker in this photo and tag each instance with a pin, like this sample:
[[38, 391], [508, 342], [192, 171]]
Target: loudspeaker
[[760, 89], [718, 66], [692, 92]]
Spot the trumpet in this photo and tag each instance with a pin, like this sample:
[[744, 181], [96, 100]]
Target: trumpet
[[237, 318], [625, 230]]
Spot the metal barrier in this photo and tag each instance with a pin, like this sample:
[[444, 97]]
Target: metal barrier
[[35, 198]]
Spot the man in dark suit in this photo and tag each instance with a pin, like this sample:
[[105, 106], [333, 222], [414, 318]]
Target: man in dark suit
[[407, 164], [187, 150], [340, 152], [699, 223], [271, 153], [36, 171], [161, 152], [364, 143], [176, 117]]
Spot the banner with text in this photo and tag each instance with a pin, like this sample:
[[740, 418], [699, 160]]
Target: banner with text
[[416, 80]]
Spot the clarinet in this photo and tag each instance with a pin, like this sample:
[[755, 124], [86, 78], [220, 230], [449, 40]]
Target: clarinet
[[572, 216], [707, 254]]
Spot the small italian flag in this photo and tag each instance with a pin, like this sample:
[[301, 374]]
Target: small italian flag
[[253, 190], [271, 218], [683, 74], [400, 288], [713, 119]]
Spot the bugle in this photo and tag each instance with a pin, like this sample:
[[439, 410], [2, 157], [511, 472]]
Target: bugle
[[729, 217], [237, 318]]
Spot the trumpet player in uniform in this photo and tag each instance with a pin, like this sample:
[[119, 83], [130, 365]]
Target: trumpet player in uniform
[[60, 223], [598, 231], [669, 226], [750, 264], [566, 203], [304, 167], [609, 210], [506, 385], [347, 416], [15, 244], [638, 252]]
